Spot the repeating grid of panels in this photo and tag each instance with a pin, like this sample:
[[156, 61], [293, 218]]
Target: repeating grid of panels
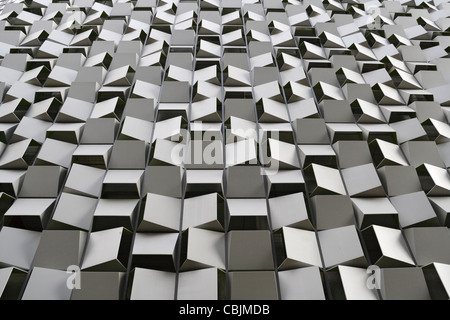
[[224, 149]]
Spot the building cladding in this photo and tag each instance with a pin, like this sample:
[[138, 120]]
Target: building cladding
[[254, 149]]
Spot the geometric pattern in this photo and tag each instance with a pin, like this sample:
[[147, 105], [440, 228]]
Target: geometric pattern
[[238, 149]]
